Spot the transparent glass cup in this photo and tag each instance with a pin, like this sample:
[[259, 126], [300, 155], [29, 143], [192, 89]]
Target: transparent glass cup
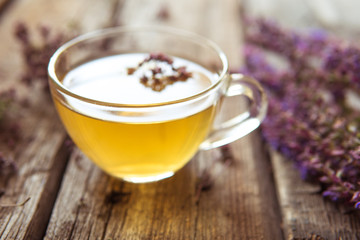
[[149, 141]]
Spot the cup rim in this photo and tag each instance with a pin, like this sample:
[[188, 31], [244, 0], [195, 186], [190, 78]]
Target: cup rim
[[116, 30]]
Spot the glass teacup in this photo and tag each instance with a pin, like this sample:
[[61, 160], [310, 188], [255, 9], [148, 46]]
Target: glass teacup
[[141, 101]]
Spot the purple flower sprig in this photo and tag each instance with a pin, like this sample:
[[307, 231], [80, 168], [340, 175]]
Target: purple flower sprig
[[290, 45], [316, 49], [36, 54], [309, 119]]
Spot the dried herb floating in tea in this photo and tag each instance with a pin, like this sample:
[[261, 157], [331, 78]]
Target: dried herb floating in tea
[[311, 118], [158, 72]]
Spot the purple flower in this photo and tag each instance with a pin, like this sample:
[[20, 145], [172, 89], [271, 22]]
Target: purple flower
[[333, 195], [36, 56], [309, 120]]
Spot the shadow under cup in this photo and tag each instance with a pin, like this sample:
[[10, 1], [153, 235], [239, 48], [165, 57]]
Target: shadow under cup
[[141, 142]]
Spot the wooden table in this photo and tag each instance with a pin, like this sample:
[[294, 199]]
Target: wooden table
[[258, 196]]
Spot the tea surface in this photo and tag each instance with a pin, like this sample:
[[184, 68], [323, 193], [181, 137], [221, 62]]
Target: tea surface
[[107, 79]]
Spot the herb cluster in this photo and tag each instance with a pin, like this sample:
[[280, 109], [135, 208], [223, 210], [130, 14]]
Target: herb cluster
[[313, 83], [157, 72], [36, 54]]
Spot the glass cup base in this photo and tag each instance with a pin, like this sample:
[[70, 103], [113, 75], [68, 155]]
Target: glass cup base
[[148, 179]]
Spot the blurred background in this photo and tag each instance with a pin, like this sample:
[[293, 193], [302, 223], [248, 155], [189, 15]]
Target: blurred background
[[341, 17]]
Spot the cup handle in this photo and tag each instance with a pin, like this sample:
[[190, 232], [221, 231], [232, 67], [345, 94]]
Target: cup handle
[[244, 123]]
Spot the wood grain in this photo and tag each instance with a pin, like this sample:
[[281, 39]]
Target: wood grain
[[305, 212]]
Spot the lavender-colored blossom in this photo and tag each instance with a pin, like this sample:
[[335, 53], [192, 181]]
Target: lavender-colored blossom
[[36, 55], [309, 120]]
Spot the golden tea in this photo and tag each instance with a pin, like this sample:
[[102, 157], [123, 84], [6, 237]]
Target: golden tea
[[136, 145], [140, 114]]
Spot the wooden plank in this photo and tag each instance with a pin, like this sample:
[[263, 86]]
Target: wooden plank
[[81, 208], [38, 179], [305, 214], [233, 208], [105, 208], [41, 155]]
